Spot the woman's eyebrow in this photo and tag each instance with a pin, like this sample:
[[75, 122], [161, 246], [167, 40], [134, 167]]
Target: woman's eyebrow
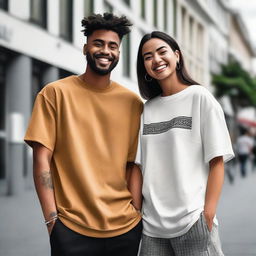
[[158, 49]]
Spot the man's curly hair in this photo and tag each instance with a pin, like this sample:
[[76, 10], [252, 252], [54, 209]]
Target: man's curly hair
[[120, 25]]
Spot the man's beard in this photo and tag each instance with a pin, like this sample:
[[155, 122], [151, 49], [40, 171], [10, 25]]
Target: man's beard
[[100, 71]]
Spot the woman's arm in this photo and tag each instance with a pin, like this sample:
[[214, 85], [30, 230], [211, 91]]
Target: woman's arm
[[213, 190], [134, 184]]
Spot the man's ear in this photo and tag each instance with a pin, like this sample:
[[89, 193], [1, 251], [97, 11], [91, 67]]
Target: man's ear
[[85, 49]]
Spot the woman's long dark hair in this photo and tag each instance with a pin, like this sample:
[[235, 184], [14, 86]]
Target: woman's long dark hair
[[151, 89]]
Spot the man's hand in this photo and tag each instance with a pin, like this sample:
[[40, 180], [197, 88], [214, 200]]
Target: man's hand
[[50, 227]]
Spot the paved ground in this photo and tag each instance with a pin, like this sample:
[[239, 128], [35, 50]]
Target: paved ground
[[237, 216], [22, 232]]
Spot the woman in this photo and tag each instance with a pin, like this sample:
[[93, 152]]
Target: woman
[[184, 143]]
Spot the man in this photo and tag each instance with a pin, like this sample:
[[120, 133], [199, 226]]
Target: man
[[245, 145], [84, 132]]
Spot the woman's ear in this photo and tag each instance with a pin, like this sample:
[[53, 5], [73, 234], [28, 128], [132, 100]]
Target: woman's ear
[[85, 49], [177, 53]]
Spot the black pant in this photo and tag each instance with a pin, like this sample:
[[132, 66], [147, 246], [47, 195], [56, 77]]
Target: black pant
[[243, 161], [66, 242]]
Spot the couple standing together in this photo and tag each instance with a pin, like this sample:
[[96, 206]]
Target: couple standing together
[[97, 154]]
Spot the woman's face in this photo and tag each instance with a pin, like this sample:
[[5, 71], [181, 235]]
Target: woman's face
[[159, 59]]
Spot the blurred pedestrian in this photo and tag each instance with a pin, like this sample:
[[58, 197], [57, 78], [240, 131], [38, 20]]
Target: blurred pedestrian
[[184, 143], [245, 145], [84, 132]]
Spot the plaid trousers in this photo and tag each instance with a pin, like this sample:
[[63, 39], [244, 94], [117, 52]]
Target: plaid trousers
[[198, 241]]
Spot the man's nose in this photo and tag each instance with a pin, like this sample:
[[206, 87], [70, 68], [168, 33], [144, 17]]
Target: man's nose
[[105, 50]]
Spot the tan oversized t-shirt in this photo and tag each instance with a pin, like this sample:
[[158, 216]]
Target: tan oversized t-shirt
[[93, 134]]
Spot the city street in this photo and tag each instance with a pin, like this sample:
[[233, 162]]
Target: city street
[[22, 232]]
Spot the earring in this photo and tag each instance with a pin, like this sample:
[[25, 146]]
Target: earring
[[177, 65], [148, 78]]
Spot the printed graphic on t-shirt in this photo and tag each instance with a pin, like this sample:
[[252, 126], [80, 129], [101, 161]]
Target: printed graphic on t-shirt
[[183, 122]]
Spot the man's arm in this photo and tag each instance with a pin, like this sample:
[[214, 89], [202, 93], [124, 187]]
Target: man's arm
[[213, 190], [43, 182], [134, 183]]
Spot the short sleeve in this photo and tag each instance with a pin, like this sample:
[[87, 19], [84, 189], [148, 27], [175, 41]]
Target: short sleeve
[[138, 158], [215, 135], [135, 131], [42, 125]]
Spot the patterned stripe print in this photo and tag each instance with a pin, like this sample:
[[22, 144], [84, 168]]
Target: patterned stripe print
[[182, 122]]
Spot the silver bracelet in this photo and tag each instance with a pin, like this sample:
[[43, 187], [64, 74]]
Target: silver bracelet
[[47, 222]]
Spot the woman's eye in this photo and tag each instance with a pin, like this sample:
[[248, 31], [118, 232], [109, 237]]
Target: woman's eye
[[147, 58], [162, 53]]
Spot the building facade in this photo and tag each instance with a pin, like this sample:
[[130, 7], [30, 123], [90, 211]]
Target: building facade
[[41, 41]]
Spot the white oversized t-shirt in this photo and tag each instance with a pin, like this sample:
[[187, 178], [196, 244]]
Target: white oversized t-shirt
[[180, 134]]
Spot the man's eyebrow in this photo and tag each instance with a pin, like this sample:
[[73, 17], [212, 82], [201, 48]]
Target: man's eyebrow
[[158, 49], [98, 40], [102, 41]]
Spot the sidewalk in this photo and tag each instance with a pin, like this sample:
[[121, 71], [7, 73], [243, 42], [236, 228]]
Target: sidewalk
[[237, 215], [22, 232]]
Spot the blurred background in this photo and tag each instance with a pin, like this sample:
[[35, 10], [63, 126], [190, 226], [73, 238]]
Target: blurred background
[[41, 41]]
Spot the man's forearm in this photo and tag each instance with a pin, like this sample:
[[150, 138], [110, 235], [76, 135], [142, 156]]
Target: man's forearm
[[44, 188], [43, 182]]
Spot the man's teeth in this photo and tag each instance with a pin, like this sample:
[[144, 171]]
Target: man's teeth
[[103, 59], [161, 67]]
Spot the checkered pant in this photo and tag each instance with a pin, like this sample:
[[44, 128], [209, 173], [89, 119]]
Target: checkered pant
[[198, 241]]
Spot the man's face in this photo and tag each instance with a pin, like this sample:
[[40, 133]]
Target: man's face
[[102, 51]]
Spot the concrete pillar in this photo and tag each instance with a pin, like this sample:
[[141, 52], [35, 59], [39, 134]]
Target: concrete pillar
[[53, 17], [78, 15], [98, 6], [18, 82], [149, 12], [170, 18], [20, 9], [50, 74], [160, 15]]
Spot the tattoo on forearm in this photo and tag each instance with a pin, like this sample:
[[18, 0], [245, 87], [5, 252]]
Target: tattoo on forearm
[[52, 214], [46, 179]]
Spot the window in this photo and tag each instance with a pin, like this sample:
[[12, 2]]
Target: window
[[38, 12], [175, 17], [143, 9], [88, 7], [126, 56], [191, 34], [4, 4], [3, 60], [108, 7], [64, 73], [38, 69], [66, 19], [127, 2], [155, 13], [165, 15]]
